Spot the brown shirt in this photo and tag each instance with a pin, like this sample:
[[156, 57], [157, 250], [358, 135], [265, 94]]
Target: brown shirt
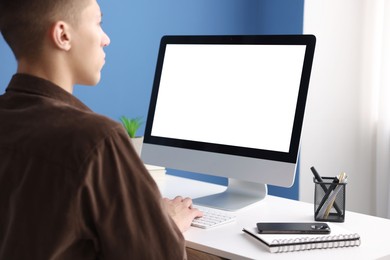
[[71, 184]]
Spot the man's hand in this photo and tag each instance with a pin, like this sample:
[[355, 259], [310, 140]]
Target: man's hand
[[181, 211]]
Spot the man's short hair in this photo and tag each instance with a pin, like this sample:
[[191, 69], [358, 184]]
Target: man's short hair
[[24, 23]]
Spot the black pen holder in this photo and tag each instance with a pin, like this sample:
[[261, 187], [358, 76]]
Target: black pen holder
[[329, 200]]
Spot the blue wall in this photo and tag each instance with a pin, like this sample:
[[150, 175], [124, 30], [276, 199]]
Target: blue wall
[[135, 29]]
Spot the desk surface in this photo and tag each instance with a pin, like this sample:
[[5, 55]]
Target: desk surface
[[230, 242]]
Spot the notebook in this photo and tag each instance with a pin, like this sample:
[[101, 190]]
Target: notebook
[[339, 237]]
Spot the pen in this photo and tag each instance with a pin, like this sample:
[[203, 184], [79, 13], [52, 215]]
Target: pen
[[323, 186], [342, 179], [326, 196]]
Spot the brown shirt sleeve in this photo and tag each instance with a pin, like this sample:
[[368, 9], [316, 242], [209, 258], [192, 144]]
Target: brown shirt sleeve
[[119, 206]]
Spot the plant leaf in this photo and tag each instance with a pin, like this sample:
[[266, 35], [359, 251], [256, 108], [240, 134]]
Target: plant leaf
[[131, 125]]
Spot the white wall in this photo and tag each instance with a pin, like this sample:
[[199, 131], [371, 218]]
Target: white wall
[[333, 137]]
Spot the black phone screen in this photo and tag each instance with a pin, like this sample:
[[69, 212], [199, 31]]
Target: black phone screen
[[293, 228]]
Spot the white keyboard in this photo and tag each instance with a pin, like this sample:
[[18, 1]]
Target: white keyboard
[[212, 217]]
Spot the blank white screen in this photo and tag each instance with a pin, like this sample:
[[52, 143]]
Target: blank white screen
[[239, 95]]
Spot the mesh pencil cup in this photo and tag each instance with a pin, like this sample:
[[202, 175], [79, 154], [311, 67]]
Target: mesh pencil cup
[[329, 200]]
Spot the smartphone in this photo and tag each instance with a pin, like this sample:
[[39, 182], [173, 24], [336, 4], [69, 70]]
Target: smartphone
[[293, 228]]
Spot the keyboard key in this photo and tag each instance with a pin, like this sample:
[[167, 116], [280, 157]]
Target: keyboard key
[[212, 217]]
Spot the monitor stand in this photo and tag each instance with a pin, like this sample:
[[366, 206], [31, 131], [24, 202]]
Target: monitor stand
[[238, 194]]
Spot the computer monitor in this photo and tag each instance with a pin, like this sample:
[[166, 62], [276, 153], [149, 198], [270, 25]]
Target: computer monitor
[[230, 106]]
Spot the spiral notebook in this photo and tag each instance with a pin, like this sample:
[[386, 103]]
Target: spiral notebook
[[338, 238]]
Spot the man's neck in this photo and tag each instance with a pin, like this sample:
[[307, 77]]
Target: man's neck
[[46, 71]]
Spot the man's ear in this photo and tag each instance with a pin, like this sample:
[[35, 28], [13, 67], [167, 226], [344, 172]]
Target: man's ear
[[61, 35]]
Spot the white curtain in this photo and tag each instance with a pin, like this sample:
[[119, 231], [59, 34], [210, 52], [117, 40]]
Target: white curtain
[[375, 98]]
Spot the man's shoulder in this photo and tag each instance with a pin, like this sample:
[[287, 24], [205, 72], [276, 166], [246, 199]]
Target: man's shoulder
[[89, 126], [77, 133]]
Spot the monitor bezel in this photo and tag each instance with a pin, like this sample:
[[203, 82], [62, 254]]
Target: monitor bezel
[[292, 154]]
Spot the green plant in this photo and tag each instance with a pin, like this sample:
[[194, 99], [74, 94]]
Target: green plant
[[131, 124]]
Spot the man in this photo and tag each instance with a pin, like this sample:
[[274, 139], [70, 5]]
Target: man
[[71, 185]]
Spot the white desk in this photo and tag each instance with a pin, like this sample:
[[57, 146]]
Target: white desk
[[230, 242]]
